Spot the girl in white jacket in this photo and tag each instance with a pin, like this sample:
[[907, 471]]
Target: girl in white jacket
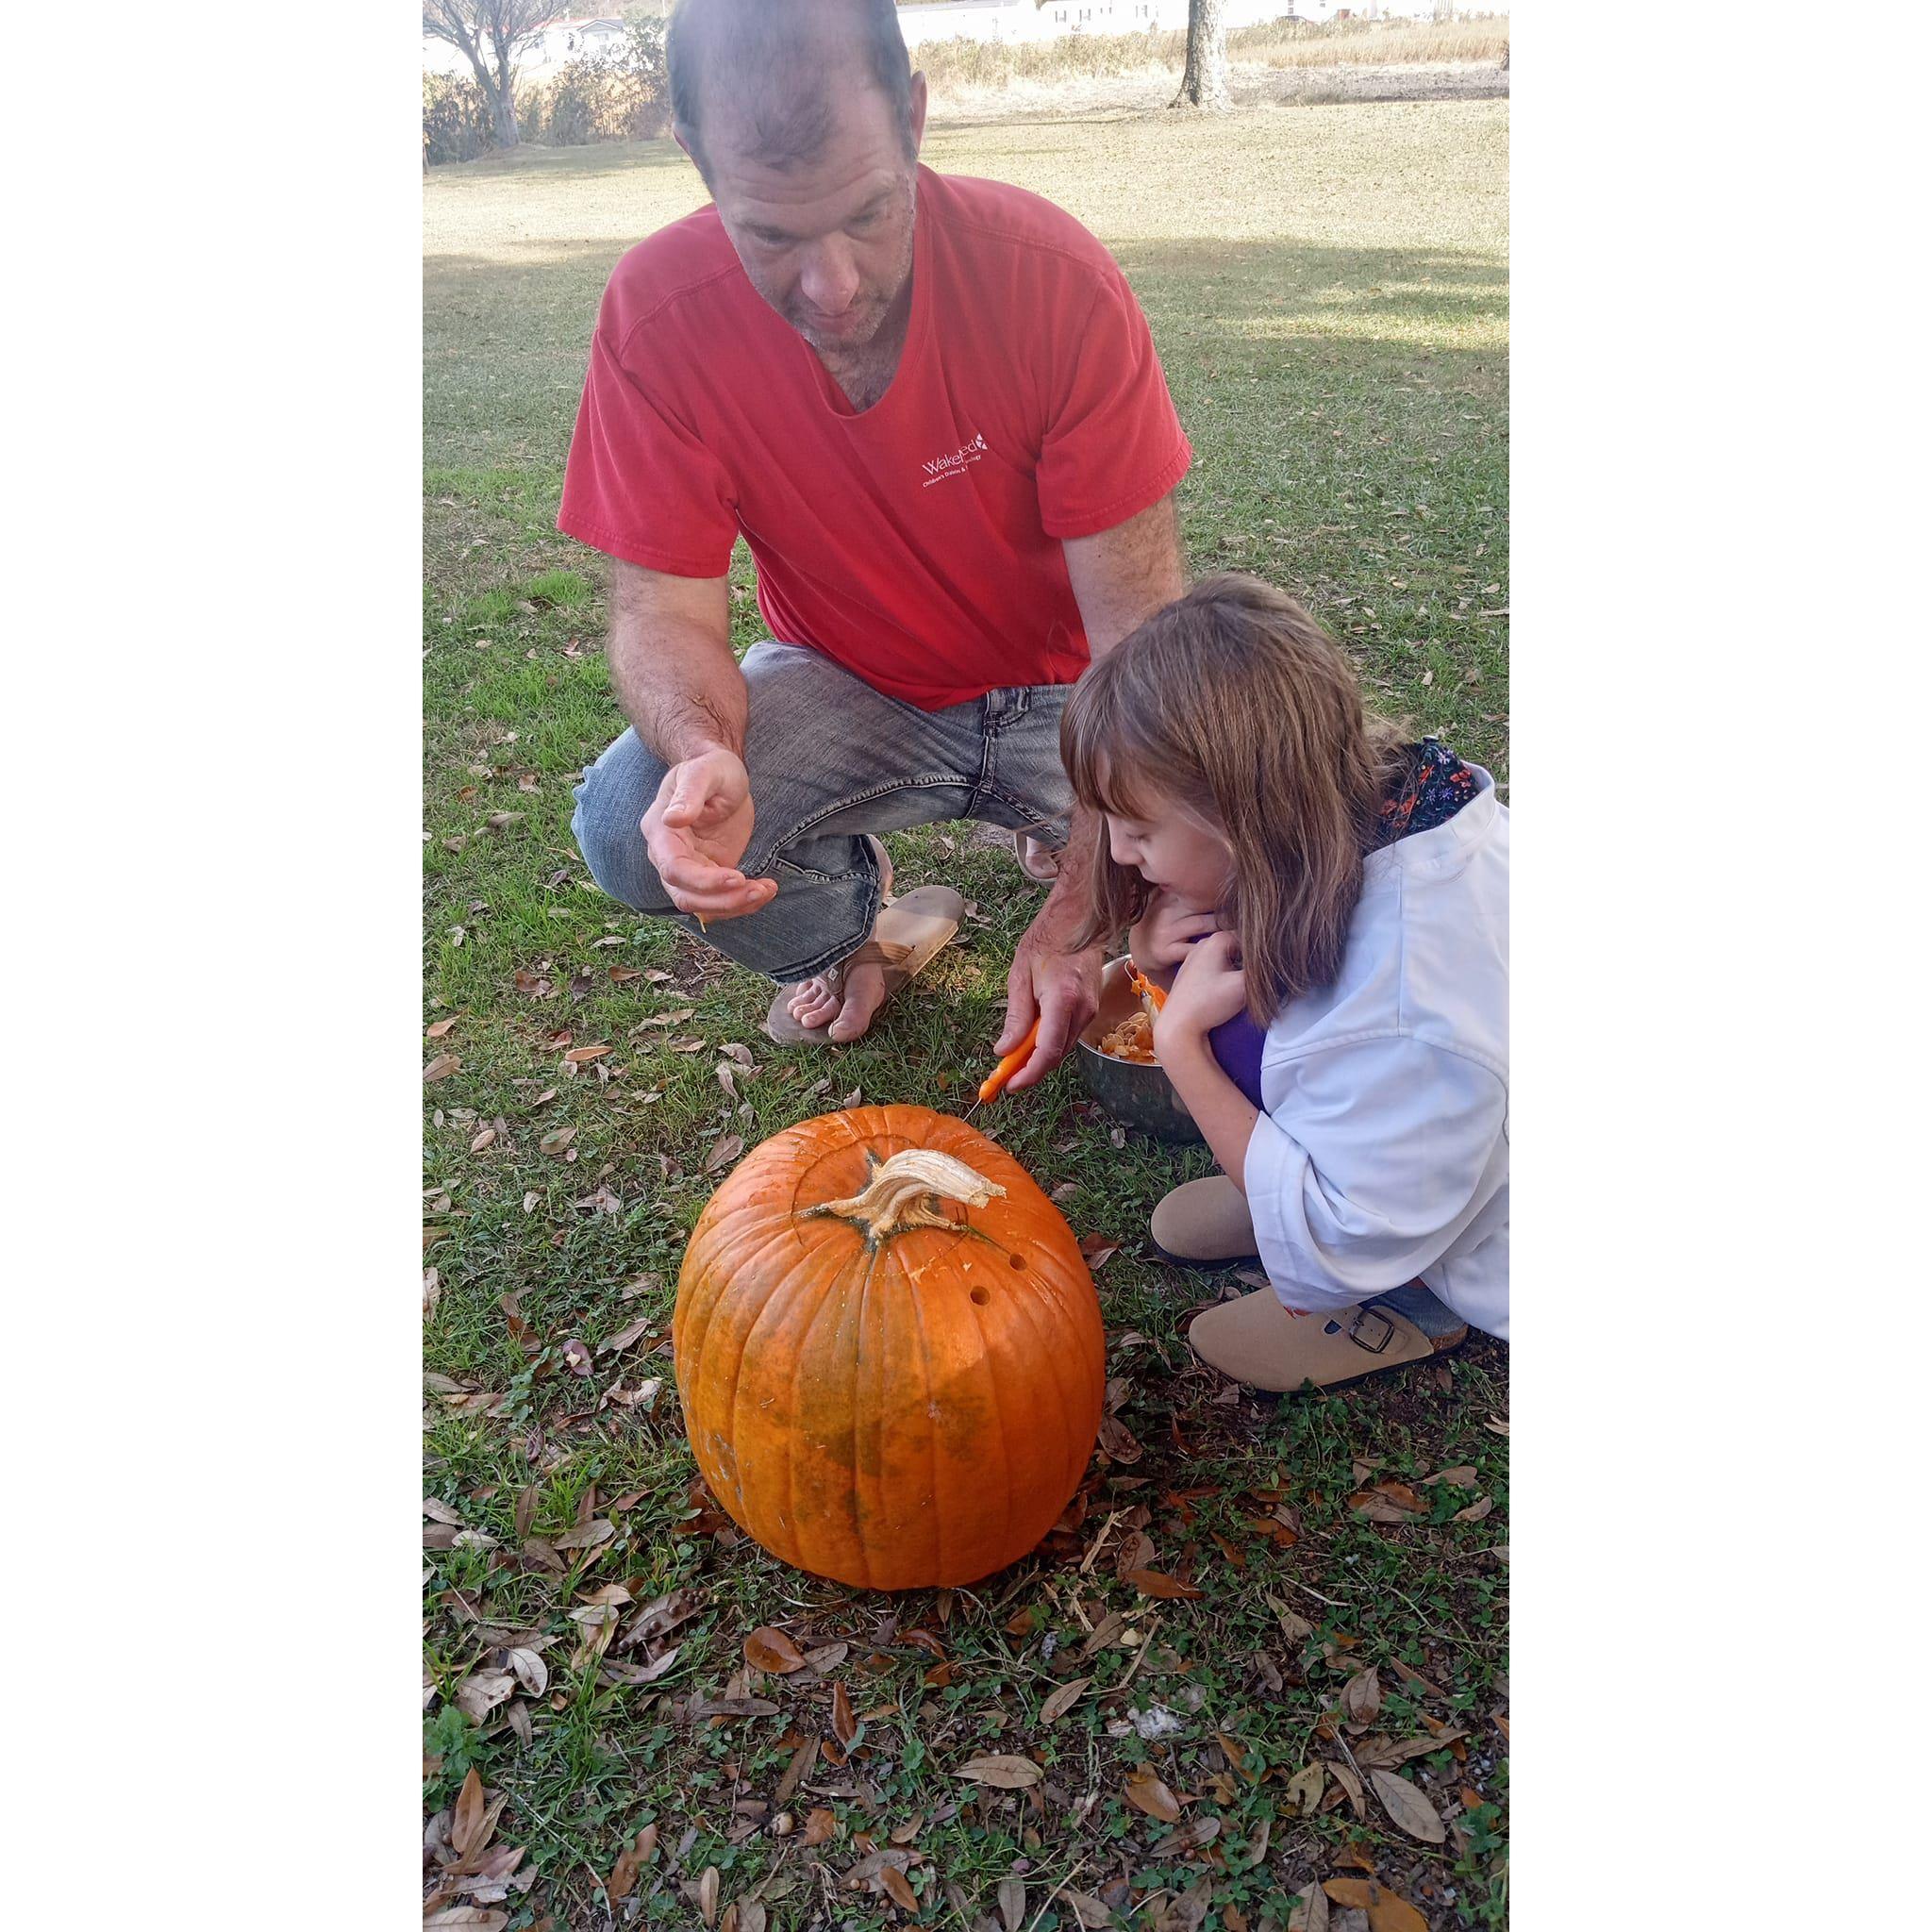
[[1320, 912]]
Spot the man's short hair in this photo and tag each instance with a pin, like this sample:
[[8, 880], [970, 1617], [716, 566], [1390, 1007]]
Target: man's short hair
[[781, 63]]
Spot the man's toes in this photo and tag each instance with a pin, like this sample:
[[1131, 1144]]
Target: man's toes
[[863, 993]]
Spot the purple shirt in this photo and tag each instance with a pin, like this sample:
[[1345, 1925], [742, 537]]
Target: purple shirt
[[1237, 1045]]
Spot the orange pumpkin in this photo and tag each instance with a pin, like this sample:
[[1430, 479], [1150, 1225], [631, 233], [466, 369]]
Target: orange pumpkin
[[889, 1350]]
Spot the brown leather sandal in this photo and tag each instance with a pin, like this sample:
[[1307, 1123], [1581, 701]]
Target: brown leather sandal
[[1258, 1342], [910, 932]]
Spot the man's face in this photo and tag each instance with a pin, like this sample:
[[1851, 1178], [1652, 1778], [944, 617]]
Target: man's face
[[828, 243]]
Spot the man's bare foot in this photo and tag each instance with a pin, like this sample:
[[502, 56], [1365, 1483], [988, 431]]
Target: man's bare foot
[[842, 1002]]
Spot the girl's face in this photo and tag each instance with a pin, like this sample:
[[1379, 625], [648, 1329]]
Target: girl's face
[[1176, 852]]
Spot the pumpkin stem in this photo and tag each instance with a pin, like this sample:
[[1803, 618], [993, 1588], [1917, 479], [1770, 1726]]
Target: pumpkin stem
[[902, 1192]]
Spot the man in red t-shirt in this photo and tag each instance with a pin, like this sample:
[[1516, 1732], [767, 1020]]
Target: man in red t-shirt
[[932, 407]]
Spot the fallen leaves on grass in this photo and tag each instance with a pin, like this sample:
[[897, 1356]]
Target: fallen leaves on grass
[[557, 1140], [897, 1888], [438, 1028], [723, 1153], [1005, 1773], [630, 1861], [1012, 1900], [1063, 1699], [582, 1056], [1387, 1912], [1098, 1250], [1362, 1696], [631, 1332], [1406, 1806], [1387, 1751], [795, 1773], [768, 1649], [1157, 1583], [530, 1670], [1309, 1912], [1145, 1793], [576, 1358], [442, 1067], [845, 1725], [481, 1692], [1305, 1789], [820, 1823]]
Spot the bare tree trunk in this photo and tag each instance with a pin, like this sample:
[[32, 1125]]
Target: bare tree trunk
[[1203, 84], [503, 103]]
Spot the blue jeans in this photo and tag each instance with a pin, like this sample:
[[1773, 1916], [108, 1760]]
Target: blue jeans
[[830, 759]]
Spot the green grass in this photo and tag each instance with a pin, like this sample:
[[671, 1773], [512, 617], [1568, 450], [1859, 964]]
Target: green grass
[[1328, 289]]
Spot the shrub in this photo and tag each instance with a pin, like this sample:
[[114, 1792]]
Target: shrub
[[623, 95], [456, 119]]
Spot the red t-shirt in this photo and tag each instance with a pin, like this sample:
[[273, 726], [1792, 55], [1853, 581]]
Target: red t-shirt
[[916, 543]]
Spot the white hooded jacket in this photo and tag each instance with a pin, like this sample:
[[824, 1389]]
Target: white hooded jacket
[[1383, 1150]]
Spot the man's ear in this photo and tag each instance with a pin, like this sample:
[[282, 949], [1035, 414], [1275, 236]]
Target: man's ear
[[916, 111], [683, 137]]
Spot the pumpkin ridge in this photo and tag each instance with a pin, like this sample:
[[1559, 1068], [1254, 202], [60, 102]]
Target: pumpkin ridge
[[743, 1271], [932, 1441], [836, 1289], [873, 1257]]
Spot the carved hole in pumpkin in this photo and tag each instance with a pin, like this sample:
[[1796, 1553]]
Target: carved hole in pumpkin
[[1017, 1260], [981, 1297]]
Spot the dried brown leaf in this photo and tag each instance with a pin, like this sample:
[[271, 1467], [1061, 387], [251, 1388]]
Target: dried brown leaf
[[845, 1725], [801, 1761], [1157, 1583], [631, 1332], [1012, 1898], [466, 1819], [624, 1875], [579, 1056], [1305, 1789], [1008, 1773], [442, 1067], [531, 1672], [1063, 1699], [1362, 1696], [896, 1886], [820, 1825], [723, 1153], [438, 1028], [1145, 1793], [1387, 1912], [481, 1692], [1408, 1807], [1309, 1912], [557, 1140], [767, 1649], [707, 1894], [586, 1535], [1386, 1751]]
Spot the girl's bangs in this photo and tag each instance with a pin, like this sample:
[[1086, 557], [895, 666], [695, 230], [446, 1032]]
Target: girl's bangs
[[1104, 757]]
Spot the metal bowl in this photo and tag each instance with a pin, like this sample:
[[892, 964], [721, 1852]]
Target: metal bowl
[[1141, 1097]]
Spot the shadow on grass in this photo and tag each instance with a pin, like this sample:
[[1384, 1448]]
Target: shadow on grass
[[601, 157], [1188, 283]]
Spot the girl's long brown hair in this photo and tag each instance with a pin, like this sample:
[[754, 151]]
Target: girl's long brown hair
[[1234, 702]]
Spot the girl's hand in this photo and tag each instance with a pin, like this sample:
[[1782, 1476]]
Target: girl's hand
[[1207, 991], [1166, 933]]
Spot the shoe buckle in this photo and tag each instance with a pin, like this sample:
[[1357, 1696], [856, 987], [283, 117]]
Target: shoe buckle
[[1371, 1331]]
